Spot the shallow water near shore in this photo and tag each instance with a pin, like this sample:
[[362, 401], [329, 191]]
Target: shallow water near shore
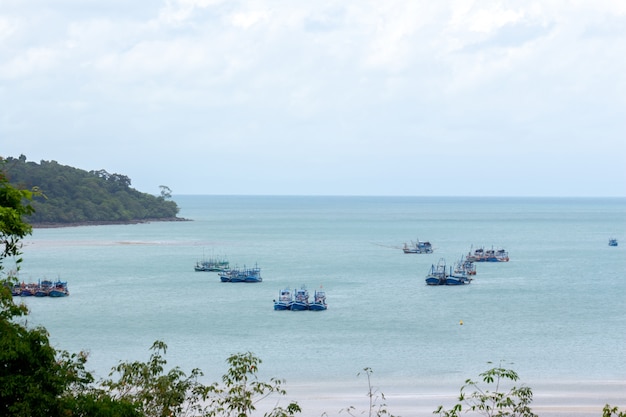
[[556, 313]]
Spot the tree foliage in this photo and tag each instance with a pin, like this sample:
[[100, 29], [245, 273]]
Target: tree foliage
[[242, 390], [609, 411], [35, 379], [157, 393], [15, 204], [72, 195], [502, 400]]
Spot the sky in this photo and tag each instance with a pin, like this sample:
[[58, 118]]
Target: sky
[[324, 97]]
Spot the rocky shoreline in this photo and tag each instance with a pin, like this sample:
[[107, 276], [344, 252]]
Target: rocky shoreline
[[52, 225]]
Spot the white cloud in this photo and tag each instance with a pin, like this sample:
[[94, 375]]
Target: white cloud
[[350, 89]]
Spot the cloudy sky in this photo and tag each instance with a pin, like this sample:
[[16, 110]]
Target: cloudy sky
[[325, 97]]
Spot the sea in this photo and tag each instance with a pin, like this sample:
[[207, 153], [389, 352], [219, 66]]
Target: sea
[[555, 313]]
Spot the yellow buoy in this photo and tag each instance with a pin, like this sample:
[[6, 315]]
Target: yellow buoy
[[461, 322]]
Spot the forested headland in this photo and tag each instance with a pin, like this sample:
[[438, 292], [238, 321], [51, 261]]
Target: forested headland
[[69, 196]]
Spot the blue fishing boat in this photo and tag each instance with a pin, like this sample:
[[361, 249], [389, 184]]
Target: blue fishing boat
[[319, 301], [43, 288], [612, 242], [241, 275], [457, 278], [301, 299], [59, 289], [28, 290], [418, 247], [225, 276], [252, 274], [489, 255], [285, 298], [437, 274]]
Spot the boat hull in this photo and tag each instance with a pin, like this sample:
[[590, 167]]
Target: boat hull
[[451, 280], [297, 306], [318, 307], [282, 306], [433, 281]]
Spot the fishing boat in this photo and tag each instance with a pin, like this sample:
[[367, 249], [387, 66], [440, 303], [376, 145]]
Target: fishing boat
[[252, 274], [319, 301], [418, 247], [43, 288], [437, 274], [489, 255], [212, 265], [463, 266], [457, 278], [241, 275], [501, 255], [59, 289], [300, 299], [231, 275], [612, 242], [28, 290], [285, 298]]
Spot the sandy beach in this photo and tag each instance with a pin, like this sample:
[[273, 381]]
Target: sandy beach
[[556, 399]]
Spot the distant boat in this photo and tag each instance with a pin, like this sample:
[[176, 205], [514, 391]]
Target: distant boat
[[43, 288], [212, 265], [300, 300], [241, 275], [319, 301], [463, 266], [437, 274], [489, 255], [27, 290], [418, 247], [457, 278], [59, 289], [252, 274], [612, 242], [285, 298]]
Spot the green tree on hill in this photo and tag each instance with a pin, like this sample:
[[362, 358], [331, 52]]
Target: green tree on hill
[[71, 195]]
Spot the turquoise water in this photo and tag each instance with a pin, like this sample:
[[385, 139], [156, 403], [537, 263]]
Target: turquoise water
[[556, 310]]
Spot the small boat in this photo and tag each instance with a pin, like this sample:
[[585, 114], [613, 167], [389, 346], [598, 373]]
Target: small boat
[[59, 289], [437, 274], [319, 301], [300, 299], [612, 242], [285, 298], [418, 247]]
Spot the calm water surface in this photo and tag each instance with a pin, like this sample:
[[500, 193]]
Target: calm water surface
[[556, 310]]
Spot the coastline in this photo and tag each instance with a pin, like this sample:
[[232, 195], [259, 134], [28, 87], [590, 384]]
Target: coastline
[[52, 225], [550, 399]]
